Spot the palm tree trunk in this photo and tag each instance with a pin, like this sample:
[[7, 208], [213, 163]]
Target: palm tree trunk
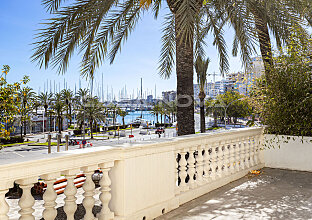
[[21, 129], [25, 127], [185, 74], [46, 114], [157, 118], [123, 121], [60, 124], [202, 116], [91, 129], [70, 115], [265, 44]]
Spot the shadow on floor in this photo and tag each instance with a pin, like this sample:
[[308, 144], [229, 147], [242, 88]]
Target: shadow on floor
[[274, 194]]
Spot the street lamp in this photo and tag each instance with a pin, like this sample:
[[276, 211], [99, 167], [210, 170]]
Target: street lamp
[[226, 110]]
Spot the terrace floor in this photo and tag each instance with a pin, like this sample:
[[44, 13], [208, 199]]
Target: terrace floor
[[274, 194]]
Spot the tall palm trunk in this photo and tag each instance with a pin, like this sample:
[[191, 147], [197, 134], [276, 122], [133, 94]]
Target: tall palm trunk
[[185, 90], [91, 128], [60, 124], [70, 115], [21, 129], [202, 115], [265, 44], [25, 127]]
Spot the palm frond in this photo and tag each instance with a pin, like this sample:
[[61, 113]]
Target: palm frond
[[168, 48]]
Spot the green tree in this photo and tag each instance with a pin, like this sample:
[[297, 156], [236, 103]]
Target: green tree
[[45, 99], [201, 67], [8, 99], [68, 96], [114, 109], [59, 107], [235, 104], [214, 108], [285, 106], [123, 114], [26, 97], [156, 111], [98, 28], [92, 112]]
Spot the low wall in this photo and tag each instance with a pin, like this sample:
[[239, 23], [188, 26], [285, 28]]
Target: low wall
[[293, 155]]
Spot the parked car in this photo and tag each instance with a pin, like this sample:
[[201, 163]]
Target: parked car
[[160, 130]]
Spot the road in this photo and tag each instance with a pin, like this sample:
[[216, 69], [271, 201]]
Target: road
[[22, 151]]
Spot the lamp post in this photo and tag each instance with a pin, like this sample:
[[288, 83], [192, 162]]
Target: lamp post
[[226, 110]]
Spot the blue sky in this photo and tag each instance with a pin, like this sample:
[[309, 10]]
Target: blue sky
[[19, 20]]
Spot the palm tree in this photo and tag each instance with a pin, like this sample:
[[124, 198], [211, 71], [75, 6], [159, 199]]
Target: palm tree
[[114, 110], [59, 106], [45, 99], [68, 96], [92, 111], [252, 21], [26, 97], [156, 111], [123, 114], [100, 27], [201, 67]]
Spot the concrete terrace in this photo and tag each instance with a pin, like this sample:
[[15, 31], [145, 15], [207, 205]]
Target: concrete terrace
[[274, 194]]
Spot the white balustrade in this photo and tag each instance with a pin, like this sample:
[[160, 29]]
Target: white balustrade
[[70, 191], [183, 171], [89, 187], [105, 197], [191, 168], [177, 188], [27, 201], [138, 182], [232, 156], [50, 196], [207, 167], [200, 165], [4, 207]]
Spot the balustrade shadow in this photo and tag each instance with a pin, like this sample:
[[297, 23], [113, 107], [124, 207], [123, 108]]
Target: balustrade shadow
[[274, 194]]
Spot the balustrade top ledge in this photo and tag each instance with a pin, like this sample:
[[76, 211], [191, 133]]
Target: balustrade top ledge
[[49, 163]]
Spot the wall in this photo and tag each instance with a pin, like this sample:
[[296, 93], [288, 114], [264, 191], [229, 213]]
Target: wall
[[293, 155]]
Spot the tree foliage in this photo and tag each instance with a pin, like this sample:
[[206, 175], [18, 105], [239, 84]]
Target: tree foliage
[[285, 105]]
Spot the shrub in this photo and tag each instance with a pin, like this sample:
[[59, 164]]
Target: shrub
[[285, 103], [11, 140]]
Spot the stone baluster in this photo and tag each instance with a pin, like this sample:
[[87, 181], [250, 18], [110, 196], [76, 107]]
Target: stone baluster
[[226, 154], [220, 160], [105, 197], [88, 187], [242, 153], [200, 165], [257, 150], [214, 161], [27, 201], [50, 196], [177, 188], [207, 164], [237, 156], [70, 191], [191, 167], [183, 171], [232, 157], [4, 207], [252, 151], [247, 152]]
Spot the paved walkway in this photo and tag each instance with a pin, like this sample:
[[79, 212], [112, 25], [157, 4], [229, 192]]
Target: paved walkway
[[274, 194]]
